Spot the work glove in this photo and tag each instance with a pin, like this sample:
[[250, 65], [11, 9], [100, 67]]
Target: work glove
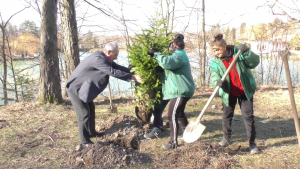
[[219, 83], [243, 48], [151, 52]]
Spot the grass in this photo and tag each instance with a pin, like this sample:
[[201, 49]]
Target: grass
[[37, 135]]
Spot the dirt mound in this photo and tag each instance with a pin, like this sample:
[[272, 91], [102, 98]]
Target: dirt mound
[[122, 130], [105, 155], [120, 147], [116, 149], [195, 155]]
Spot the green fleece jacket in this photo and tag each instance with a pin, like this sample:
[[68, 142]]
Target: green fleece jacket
[[245, 62], [178, 80]]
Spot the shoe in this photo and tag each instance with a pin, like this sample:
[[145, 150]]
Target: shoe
[[224, 142], [97, 134], [253, 148], [82, 146], [153, 134], [169, 146]]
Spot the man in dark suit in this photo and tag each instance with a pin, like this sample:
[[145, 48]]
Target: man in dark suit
[[87, 81]]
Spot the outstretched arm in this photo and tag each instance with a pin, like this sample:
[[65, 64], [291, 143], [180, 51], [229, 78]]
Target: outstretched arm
[[116, 72], [171, 62]]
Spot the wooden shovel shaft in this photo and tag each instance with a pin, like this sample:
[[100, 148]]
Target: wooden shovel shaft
[[218, 87], [110, 99], [109, 91], [292, 99]]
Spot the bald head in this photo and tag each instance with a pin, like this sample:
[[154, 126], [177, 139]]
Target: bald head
[[111, 51]]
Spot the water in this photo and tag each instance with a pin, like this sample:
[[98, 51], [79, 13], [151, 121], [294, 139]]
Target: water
[[273, 71], [120, 87], [30, 69]]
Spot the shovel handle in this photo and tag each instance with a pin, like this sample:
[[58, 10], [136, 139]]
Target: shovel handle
[[218, 87]]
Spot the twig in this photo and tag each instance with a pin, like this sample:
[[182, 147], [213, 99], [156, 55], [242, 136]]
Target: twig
[[51, 138]]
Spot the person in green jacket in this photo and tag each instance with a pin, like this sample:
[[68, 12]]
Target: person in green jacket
[[178, 86], [239, 86]]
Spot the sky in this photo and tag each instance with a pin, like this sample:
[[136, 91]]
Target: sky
[[229, 13]]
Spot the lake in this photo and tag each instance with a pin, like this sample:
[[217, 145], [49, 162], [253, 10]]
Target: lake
[[119, 87]]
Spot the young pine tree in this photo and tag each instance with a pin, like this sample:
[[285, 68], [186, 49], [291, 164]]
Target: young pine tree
[[148, 93]]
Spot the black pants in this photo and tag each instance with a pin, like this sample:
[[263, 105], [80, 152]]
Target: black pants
[[157, 113], [176, 114], [247, 112], [85, 116]]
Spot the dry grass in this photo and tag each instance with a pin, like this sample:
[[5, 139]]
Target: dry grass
[[43, 136]]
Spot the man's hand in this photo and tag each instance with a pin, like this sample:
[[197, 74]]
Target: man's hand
[[137, 78], [219, 83], [151, 52], [243, 48]]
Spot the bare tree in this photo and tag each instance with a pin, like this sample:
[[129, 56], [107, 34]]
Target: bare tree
[[12, 69], [168, 16], [3, 25], [260, 34], [35, 5], [204, 46], [292, 11], [70, 37], [49, 87]]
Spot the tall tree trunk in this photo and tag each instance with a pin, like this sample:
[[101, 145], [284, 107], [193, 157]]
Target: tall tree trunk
[[49, 88], [70, 37], [4, 81], [204, 46]]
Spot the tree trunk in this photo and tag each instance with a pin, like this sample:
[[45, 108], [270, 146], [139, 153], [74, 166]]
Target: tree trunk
[[13, 70], [49, 87], [70, 37], [204, 47], [262, 69], [4, 82]]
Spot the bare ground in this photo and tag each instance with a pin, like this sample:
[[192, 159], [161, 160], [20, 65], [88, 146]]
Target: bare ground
[[45, 136]]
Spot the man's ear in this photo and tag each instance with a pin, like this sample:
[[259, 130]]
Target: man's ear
[[109, 52]]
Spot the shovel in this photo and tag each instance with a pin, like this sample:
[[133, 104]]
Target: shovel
[[194, 129]]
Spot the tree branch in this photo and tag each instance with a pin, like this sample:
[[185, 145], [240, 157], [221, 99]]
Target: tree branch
[[97, 8], [12, 16], [37, 8]]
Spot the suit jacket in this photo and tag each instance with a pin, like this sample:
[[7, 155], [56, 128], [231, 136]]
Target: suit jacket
[[91, 76]]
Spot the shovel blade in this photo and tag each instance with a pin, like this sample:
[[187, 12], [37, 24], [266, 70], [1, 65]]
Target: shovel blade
[[193, 131]]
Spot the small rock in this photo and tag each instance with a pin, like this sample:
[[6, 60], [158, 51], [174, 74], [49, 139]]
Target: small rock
[[79, 159], [124, 158]]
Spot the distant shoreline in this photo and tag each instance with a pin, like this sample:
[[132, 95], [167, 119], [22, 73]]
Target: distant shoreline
[[21, 59]]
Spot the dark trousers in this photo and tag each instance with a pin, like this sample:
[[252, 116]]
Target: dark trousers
[[157, 113], [85, 116], [177, 116], [247, 112]]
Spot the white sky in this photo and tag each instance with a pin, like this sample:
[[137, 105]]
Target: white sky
[[232, 13]]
